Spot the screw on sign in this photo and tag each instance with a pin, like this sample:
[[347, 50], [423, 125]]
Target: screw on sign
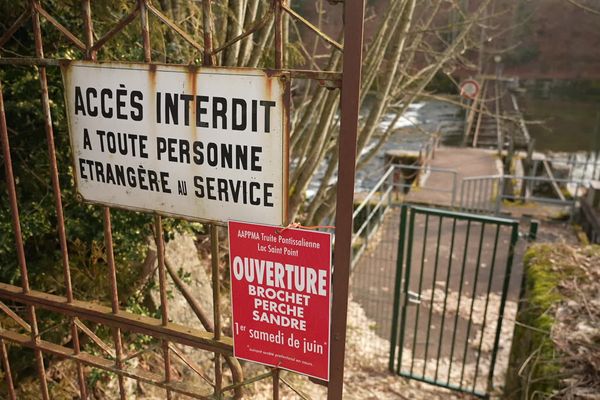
[[469, 88], [280, 294]]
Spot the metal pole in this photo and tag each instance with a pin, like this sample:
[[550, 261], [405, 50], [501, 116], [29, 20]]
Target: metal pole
[[39, 52], [353, 40], [214, 259], [279, 63], [209, 60], [7, 371], [454, 184], [158, 230], [208, 57], [279, 45], [162, 282], [500, 194]]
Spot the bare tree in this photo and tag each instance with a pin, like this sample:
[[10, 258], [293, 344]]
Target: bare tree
[[412, 43]]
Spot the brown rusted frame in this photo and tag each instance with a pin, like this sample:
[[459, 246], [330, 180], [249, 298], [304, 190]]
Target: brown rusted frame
[[353, 14], [208, 57], [102, 363], [52, 327], [144, 6], [13, 315], [99, 342], [313, 28], [39, 52], [123, 319], [192, 365], [174, 26], [326, 78], [16, 222], [209, 61], [162, 283], [114, 297], [138, 353], [36, 10], [7, 371], [293, 389], [90, 53], [15, 27], [61, 28], [279, 64], [215, 274], [352, 63], [123, 22], [249, 381]]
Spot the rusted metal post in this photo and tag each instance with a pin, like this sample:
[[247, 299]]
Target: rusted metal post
[[158, 231], [10, 183], [162, 283], [62, 236], [275, 383], [90, 54], [214, 260], [209, 60], [7, 371], [37, 34], [208, 57], [114, 297], [353, 39], [279, 62], [12, 195], [279, 45], [142, 4]]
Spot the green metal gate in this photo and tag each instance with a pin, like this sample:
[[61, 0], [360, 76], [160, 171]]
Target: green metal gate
[[452, 281]]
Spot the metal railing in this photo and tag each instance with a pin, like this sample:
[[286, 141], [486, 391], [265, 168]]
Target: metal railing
[[585, 168], [479, 194], [486, 194], [393, 189]]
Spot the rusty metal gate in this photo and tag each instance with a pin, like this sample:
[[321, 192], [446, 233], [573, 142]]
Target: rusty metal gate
[[35, 313]]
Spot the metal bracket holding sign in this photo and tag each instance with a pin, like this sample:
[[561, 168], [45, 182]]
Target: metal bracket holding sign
[[199, 143], [280, 295]]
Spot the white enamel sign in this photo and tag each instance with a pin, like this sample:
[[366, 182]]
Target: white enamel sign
[[198, 143]]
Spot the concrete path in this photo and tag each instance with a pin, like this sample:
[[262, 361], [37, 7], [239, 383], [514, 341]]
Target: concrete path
[[436, 187]]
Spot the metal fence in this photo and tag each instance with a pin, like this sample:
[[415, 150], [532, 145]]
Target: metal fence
[[493, 194], [400, 183], [579, 167], [452, 282], [431, 288], [29, 308]]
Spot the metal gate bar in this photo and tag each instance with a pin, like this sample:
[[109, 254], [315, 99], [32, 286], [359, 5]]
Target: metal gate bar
[[461, 297]]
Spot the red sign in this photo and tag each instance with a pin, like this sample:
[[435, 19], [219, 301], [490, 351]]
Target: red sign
[[469, 89], [280, 291]]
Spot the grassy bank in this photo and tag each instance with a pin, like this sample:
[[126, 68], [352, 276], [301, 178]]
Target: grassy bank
[[560, 280]]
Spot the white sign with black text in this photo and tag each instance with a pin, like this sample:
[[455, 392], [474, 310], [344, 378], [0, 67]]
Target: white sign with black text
[[198, 143]]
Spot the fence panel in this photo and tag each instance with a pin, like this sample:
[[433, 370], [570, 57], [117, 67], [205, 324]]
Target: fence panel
[[452, 282]]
